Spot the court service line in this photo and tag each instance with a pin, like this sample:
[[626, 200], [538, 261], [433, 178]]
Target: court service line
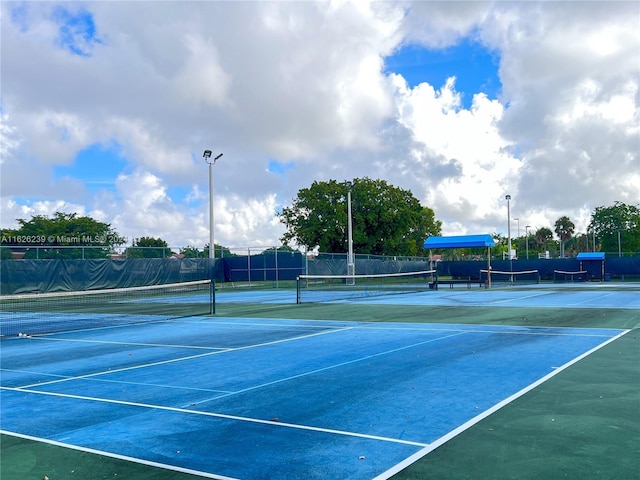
[[190, 357], [139, 344], [217, 415], [269, 322], [337, 365], [593, 299], [455, 432], [118, 456], [500, 331], [517, 299], [106, 380]]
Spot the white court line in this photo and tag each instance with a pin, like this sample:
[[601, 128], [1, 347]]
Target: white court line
[[506, 331], [190, 357], [139, 344], [593, 299], [275, 322], [453, 433], [217, 415], [518, 298], [120, 382], [119, 457]]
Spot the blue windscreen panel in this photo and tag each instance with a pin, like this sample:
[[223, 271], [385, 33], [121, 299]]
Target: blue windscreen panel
[[590, 256], [460, 241]]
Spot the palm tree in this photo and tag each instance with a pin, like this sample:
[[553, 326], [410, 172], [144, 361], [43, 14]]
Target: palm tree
[[564, 229]]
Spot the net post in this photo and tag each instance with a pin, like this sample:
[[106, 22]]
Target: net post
[[212, 294], [298, 290], [488, 284]]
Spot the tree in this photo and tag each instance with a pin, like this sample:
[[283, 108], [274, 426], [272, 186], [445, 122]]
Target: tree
[[564, 228], [607, 222], [62, 230], [280, 249], [541, 237], [219, 250], [192, 252], [148, 247], [386, 220], [579, 243]]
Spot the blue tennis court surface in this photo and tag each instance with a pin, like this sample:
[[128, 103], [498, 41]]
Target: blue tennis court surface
[[584, 295], [242, 398]]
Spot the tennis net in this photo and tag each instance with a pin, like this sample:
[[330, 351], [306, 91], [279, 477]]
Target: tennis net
[[38, 313], [512, 278], [560, 276], [329, 288]]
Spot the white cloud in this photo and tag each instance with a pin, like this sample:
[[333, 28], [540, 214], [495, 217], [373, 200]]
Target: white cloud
[[302, 83], [202, 80]]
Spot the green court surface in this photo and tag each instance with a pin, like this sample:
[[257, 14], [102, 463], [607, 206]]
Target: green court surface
[[583, 423]]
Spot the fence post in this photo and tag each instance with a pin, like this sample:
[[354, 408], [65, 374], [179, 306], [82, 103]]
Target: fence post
[[277, 276], [249, 265]]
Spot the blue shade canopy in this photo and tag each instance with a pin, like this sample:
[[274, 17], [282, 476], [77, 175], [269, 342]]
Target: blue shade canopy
[[590, 256], [460, 241]]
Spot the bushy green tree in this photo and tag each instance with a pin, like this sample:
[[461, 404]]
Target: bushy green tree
[[192, 252], [219, 250], [148, 247], [280, 249], [386, 220], [606, 222], [62, 230], [542, 237]]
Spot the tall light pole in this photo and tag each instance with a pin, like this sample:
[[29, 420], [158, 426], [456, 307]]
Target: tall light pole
[[351, 264], [508, 198], [207, 158], [526, 234]]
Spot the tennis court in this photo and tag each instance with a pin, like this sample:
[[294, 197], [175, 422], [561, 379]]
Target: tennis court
[[378, 387]]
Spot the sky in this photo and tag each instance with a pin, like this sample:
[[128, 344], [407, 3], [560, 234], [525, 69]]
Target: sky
[[106, 109]]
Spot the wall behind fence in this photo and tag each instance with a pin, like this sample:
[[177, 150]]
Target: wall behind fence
[[614, 267], [23, 276]]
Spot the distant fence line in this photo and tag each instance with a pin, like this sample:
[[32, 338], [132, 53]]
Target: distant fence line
[[83, 252], [273, 269]]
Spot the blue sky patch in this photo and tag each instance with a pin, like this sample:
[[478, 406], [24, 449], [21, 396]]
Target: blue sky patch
[[180, 194], [279, 168], [18, 16], [474, 66], [97, 166], [77, 31]]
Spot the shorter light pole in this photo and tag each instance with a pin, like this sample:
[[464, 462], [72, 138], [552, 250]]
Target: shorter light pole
[[351, 264], [526, 234], [508, 198], [207, 158], [619, 244]]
